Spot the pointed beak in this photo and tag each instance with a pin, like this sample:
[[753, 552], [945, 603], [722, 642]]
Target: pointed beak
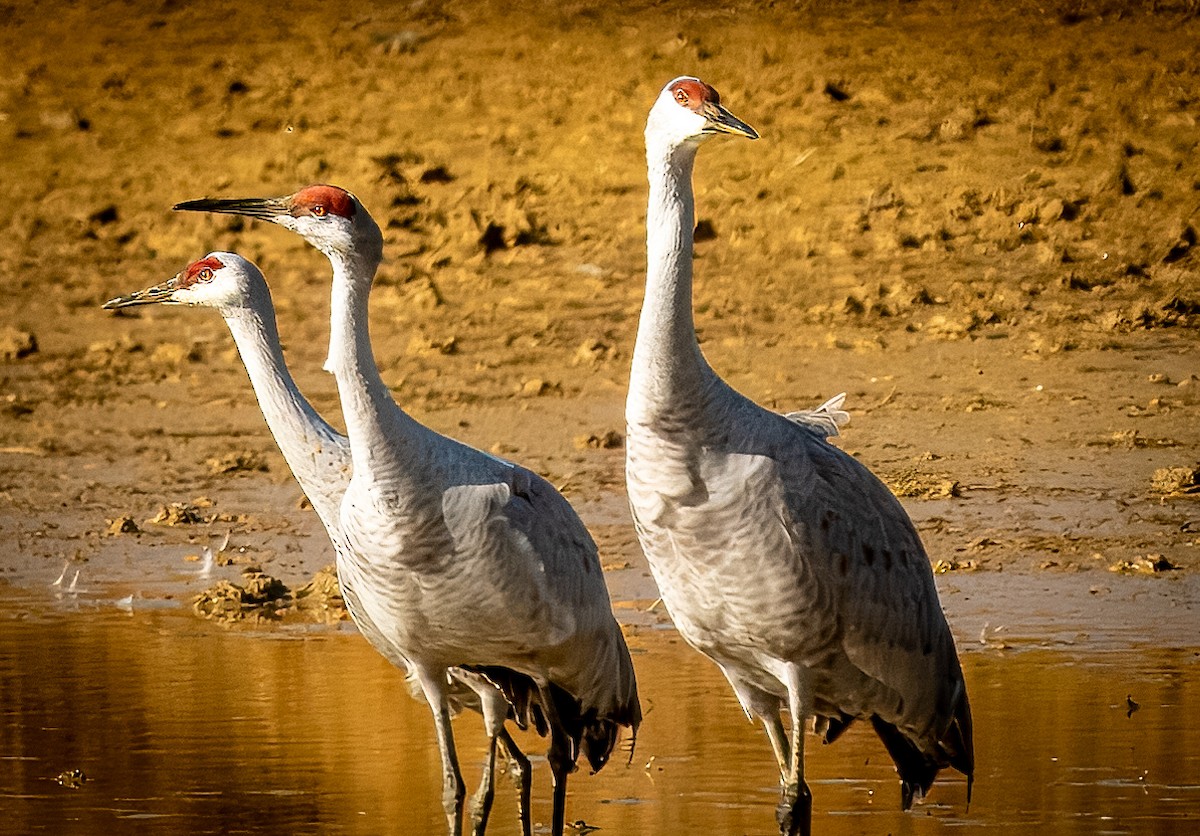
[[721, 121], [152, 295], [263, 208]]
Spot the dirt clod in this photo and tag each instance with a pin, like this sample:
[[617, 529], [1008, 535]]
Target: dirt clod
[[260, 596], [321, 598], [175, 354], [1176, 480], [536, 387], [123, 525], [243, 461], [16, 344], [433, 345], [607, 440], [1132, 440], [177, 513], [924, 486], [1150, 564], [593, 352], [941, 567]]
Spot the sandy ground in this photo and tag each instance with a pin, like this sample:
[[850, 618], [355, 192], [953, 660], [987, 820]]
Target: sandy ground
[[978, 220]]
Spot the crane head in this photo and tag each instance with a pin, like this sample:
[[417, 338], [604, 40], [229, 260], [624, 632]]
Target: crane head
[[219, 280], [328, 217], [689, 111]]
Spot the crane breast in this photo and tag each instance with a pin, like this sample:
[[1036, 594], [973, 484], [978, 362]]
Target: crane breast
[[729, 565]]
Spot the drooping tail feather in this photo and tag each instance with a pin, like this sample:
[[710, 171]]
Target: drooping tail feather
[[960, 743], [917, 769], [830, 729], [591, 735]]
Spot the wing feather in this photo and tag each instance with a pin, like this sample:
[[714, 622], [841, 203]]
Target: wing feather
[[861, 543], [558, 590]]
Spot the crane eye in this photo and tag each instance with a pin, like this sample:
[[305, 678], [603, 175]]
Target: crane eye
[[319, 210], [205, 275], [681, 96]]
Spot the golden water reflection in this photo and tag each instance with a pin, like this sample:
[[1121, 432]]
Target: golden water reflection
[[182, 727]]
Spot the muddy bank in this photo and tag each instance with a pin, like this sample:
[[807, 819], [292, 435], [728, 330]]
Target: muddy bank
[[980, 224]]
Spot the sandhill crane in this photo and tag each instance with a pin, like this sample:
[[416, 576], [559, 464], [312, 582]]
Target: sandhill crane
[[319, 458], [778, 556], [462, 558]]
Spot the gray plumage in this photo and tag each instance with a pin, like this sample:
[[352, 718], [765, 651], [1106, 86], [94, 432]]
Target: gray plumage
[[460, 560], [779, 556], [319, 458]]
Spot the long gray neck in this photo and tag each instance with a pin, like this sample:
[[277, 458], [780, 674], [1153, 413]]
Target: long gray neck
[[386, 443], [301, 434], [667, 363]]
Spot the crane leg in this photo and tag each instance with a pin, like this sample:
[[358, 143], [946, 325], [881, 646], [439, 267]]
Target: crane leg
[[560, 767], [561, 760], [766, 707], [794, 813], [523, 776], [481, 803], [433, 684], [495, 711], [779, 742]]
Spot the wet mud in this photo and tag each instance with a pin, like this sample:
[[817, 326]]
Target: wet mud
[[978, 222]]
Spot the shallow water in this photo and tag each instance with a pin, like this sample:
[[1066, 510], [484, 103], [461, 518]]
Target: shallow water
[[184, 727]]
